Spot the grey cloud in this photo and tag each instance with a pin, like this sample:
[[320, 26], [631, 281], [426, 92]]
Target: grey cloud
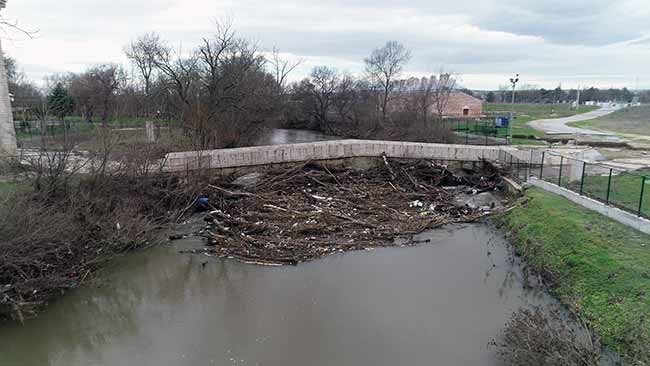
[[585, 22], [579, 22], [95, 30]]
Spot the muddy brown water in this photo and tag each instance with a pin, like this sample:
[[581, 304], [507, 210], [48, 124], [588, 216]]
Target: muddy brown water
[[439, 303]]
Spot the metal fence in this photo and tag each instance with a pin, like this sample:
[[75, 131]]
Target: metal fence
[[627, 190], [479, 132], [521, 163]]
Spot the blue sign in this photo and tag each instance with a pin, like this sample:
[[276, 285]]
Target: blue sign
[[502, 122]]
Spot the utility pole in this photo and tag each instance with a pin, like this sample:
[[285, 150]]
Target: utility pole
[[578, 98], [8, 144], [514, 82]]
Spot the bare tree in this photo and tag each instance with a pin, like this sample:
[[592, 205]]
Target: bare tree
[[142, 53], [324, 82], [83, 89], [384, 66], [12, 24], [102, 83], [222, 91], [422, 91], [281, 69], [232, 73], [441, 91], [178, 72], [344, 98]]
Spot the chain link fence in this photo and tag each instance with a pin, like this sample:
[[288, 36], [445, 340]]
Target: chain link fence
[[479, 132], [521, 163], [627, 190]]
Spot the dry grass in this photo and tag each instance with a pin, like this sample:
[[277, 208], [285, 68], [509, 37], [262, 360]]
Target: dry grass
[[545, 336]]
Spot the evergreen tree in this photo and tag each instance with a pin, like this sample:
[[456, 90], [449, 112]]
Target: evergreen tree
[[60, 102]]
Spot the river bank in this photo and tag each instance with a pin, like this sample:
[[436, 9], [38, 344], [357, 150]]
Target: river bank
[[597, 267], [294, 214], [482, 282], [56, 236], [439, 302]]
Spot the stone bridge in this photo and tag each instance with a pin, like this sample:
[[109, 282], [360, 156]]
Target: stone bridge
[[330, 150]]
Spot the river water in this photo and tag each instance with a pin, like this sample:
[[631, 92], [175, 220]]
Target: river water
[[440, 303], [280, 136]]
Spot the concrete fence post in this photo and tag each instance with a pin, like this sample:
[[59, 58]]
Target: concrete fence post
[[151, 132], [559, 178], [8, 145]]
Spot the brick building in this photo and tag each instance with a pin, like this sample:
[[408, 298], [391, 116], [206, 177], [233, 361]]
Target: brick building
[[463, 105]]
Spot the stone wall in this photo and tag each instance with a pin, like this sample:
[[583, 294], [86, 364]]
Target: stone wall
[[326, 150]]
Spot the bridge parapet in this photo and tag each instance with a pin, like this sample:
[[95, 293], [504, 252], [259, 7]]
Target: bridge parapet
[[327, 150]]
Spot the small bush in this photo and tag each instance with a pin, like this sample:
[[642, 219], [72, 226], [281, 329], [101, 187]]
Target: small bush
[[82, 210], [545, 336]]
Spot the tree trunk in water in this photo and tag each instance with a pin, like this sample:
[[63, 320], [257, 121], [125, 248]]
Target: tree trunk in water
[[7, 132]]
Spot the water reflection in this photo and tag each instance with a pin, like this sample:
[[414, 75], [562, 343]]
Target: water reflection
[[439, 303], [281, 136]]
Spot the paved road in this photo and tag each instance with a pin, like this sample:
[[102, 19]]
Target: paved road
[[558, 126]]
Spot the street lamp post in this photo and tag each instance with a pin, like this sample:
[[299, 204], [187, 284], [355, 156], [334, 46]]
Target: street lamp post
[[514, 82]]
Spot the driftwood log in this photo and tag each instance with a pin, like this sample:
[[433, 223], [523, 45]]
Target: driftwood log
[[309, 211]]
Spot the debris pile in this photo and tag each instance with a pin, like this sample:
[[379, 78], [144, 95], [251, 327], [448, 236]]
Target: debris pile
[[293, 215]]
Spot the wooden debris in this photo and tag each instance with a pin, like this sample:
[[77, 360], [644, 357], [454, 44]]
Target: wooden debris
[[311, 211]]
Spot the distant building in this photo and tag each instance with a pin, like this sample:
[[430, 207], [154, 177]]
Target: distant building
[[458, 105], [463, 105]]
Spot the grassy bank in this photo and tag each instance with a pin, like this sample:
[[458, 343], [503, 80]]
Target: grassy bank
[[596, 266], [633, 120], [526, 112]]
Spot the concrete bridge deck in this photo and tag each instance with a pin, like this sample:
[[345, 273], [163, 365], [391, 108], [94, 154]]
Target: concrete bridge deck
[[329, 150]]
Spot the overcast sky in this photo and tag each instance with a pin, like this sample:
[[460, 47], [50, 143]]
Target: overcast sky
[[574, 42]]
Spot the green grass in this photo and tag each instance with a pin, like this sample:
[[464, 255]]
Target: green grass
[[634, 120], [78, 125], [12, 187], [625, 191], [518, 141], [598, 267], [526, 112], [6, 187], [122, 122]]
